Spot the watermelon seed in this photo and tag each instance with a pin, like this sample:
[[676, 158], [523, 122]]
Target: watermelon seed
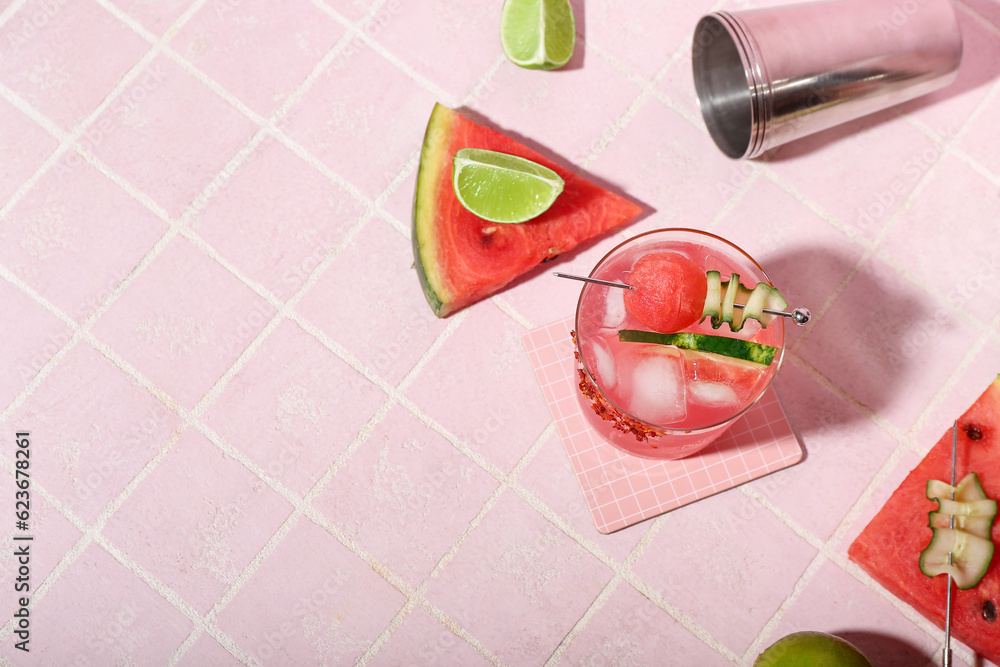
[[990, 611], [974, 432]]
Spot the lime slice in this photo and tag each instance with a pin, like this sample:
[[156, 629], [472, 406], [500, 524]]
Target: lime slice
[[537, 34], [503, 188], [737, 348]]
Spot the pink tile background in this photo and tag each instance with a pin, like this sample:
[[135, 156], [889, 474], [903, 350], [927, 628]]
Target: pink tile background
[[254, 444]]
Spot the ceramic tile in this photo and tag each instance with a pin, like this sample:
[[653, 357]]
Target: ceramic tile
[[354, 10], [170, 319], [422, 640], [100, 430], [100, 611], [533, 109], [626, 31], [840, 443], [550, 477], [484, 352], [679, 180], [967, 388], [277, 219], [443, 41], [226, 513], [45, 57], [76, 223], [362, 389], [630, 629], [406, 495], [330, 611], [876, 496], [836, 603], [51, 534], [24, 146], [988, 9], [207, 651], [958, 267], [168, 122], [533, 575], [391, 303], [257, 50], [981, 145], [837, 170], [158, 16], [32, 336], [368, 137], [285, 411], [866, 354], [737, 577]]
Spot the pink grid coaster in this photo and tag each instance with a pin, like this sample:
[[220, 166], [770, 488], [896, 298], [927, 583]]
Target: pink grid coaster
[[622, 489]]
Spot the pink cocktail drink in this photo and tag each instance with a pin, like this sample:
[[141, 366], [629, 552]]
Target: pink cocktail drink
[[663, 401]]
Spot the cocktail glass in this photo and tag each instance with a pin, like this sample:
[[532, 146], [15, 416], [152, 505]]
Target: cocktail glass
[[658, 401]]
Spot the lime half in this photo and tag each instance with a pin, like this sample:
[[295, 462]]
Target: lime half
[[538, 34], [503, 188]]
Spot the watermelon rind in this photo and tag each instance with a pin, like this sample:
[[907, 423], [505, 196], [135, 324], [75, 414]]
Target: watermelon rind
[[424, 207]]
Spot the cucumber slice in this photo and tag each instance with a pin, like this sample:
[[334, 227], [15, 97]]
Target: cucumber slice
[[967, 508], [713, 300], [757, 353], [728, 299], [763, 296], [968, 489], [740, 314], [980, 526], [971, 556], [938, 489]]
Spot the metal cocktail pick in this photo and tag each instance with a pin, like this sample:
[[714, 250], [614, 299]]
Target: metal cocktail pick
[[800, 315], [946, 653]]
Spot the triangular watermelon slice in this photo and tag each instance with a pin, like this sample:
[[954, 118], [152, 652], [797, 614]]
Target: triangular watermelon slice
[[889, 547], [462, 258]]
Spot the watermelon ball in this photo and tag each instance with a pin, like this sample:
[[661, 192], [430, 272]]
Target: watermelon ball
[[668, 292]]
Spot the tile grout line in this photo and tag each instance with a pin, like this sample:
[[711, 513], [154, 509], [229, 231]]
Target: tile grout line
[[419, 598], [170, 224]]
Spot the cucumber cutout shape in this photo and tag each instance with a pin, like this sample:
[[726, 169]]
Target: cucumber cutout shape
[[971, 556], [723, 297], [969, 488], [713, 300], [728, 299], [763, 296], [961, 526], [980, 526], [968, 508], [757, 353]]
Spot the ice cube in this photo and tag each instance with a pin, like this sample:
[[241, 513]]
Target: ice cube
[[614, 308], [600, 362], [712, 394], [656, 386]]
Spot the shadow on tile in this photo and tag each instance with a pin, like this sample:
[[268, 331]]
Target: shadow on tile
[[886, 651], [856, 343]]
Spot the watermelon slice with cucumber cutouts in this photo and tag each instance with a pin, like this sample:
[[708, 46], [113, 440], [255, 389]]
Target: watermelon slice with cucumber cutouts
[[461, 258], [890, 547]]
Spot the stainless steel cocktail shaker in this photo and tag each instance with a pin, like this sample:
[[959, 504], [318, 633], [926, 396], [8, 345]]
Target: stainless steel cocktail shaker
[[765, 77]]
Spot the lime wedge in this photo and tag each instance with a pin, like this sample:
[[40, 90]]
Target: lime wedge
[[537, 34], [503, 188]]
